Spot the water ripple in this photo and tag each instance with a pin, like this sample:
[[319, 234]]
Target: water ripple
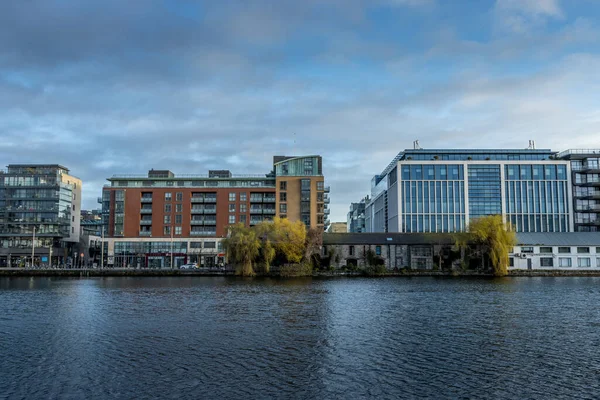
[[178, 338]]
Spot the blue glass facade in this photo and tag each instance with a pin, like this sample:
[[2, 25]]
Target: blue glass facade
[[537, 198], [485, 190], [433, 198]]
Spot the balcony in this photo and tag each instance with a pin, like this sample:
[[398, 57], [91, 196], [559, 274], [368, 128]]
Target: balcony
[[269, 211], [204, 210], [327, 211], [589, 195], [592, 207], [146, 222], [210, 199], [269, 199], [200, 222], [203, 233], [99, 200], [326, 200], [256, 211], [146, 211], [327, 189], [146, 199], [145, 233], [197, 199], [256, 199]]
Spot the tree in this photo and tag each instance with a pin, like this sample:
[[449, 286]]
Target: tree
[[289, 238], [265, 234], [496, 238], [313, 243], [242, 247]]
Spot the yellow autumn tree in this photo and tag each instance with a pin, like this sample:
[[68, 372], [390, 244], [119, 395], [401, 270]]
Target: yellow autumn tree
[[242, 247], [288, 239], [496, 240]]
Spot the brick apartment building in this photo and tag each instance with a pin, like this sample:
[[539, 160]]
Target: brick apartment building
[[162, 218]]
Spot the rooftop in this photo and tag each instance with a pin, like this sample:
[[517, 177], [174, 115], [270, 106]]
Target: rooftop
[[559, 239]]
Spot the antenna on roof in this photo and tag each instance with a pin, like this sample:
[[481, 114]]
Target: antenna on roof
[[416, 145], [531, 145]]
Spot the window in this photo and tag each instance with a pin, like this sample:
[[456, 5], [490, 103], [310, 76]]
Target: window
[[167, 230], [168, 196], [378, 250], [167, 208], [598, 251], [243, 219], [584, 262], [282, 196], [305, 184], [178, 230], [283, 185], [243, 207], [178, 219], [243, 196], [178, 208], [320, 219], [179, 196], [583, 250], [320, 196], [231, 207], [321, 185], [167, 219], [283, 208], [231, 196], [210, 245], [564, 250], [546, 250], [511, 262], [351, 250], [564, 262], [527, 249], [195, 245], [547, 262], [232, 219]]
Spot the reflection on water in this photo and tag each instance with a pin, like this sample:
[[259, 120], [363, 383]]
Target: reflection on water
[[200, 337]]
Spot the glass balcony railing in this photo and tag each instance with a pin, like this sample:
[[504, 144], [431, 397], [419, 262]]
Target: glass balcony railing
[[146, 211], [146, 199], [146, 222], [145, 233]]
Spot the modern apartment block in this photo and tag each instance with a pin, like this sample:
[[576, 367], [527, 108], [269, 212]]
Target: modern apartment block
[[585, 176], [39, 214], [355, 220], [441, 190], [150, 217]]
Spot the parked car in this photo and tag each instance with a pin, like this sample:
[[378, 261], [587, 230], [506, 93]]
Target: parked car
[[189, 266]]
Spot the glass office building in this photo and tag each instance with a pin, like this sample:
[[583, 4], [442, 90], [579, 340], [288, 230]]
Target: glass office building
[[39, 214], [442, 190]]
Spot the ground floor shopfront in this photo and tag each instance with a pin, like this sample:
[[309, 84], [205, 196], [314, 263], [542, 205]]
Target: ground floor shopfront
[[159, 254]]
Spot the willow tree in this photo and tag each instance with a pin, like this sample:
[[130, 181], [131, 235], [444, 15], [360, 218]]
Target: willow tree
[[289, 239], [242, 247], [265, 234], [496, 238]]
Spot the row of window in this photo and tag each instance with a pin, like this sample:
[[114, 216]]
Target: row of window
[[561, 250], [563, 262]]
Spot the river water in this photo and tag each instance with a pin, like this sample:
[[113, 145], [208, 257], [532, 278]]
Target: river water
[[216, 338]]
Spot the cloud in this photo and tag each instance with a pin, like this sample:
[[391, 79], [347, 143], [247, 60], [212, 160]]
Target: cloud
[[523, 16], [122, 87]]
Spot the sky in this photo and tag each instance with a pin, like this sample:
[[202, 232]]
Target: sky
[[115, 87]]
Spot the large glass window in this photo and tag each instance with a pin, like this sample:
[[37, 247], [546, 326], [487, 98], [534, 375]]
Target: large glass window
[[564, 262], [546, 262], [584, 262]]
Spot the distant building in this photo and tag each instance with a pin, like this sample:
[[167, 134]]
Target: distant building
[[356, 217], [41, 202], [337, 227], [150, 217], [91, 215], [585, 169], [441, 190]]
